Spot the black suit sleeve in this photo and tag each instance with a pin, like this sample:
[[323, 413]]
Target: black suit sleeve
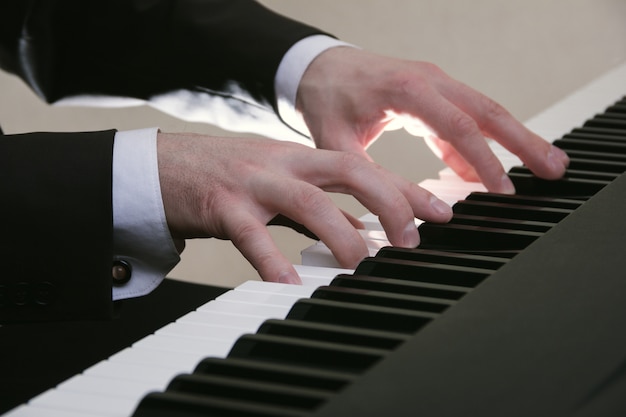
[[56, 191], [56, 220], [141, 48]]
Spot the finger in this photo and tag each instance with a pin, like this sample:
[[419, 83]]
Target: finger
[[310, 206], [446, 152], [395, 200], [451, 124], [251, 238], [541, 157]]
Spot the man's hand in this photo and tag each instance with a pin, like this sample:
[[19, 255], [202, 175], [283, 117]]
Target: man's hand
[[348, 97], [231, 188]]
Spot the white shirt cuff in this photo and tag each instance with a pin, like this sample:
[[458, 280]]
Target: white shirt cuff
[[290, 72], [140, 233]]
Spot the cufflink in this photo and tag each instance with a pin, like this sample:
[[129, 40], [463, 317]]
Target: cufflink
[[121, 272]]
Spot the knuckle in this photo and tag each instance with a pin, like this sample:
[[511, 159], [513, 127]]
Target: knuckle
[[463, 126], [311, 199], [492, 110]]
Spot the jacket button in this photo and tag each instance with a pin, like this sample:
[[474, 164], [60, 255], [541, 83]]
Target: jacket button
[[121, 272]]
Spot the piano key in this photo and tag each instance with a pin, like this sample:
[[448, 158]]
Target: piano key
[[599, 130], [82, 402], [319, 355], [244, 309], [359, 316], [599, 156], [185, 405], [92, 384], [565, 187], [34, 411], [398, 286], [221, 319], [606, 122], [470, 239], [592, 145], [324, 332], [252, 392], [268, 299], [591, 136], [317, 276], [331, 380], [276, 288], [191, 345], [423, 271], [182, 362], [511, 211], [131, 372], [526, 200], [501, 223], [447, 258], [203, 331], [584, 170]]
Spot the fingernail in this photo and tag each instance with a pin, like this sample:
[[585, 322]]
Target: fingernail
[[506, 184], [558, 158], [411, 237], [440, 206], [288, 277]]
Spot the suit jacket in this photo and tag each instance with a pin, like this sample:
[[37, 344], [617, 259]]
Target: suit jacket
[[56, 216]]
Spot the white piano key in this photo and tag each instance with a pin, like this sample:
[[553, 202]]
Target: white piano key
[[116, 387], [223, 319], [87, 403], [269, 299], [318, 276], [36, 411], [277, 288], [245, 309], [183, 362], [131, 372], [203, 331], [181, 345]]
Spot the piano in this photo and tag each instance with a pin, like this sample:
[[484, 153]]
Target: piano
[[517, 308]]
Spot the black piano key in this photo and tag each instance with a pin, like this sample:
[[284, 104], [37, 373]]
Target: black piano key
[[617, 108], [598, 156], [502, 223], [360, 316], [422, 271], [168, 404], [447, 258], [591, 145], [251, 392], [397, 286], [606, 122], [616, 115], [319, 355], [511, 211], [564, 187], [599, 130], [598, 166], [592, 136], [474, 239], [263, 372], [584, 170], [324, 332], [526, 200], [382, 299]]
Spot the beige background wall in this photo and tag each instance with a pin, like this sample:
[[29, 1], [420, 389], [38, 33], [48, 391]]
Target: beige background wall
[[526, 54]]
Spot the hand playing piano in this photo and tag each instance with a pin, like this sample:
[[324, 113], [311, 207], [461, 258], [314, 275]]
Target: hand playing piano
[[348, 97], [231, 188]]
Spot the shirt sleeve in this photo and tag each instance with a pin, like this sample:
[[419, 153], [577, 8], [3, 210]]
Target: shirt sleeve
[[141, 237], [290, 72]]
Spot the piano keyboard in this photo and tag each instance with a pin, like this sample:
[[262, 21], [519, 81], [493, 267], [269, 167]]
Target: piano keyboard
[[291, 349]]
